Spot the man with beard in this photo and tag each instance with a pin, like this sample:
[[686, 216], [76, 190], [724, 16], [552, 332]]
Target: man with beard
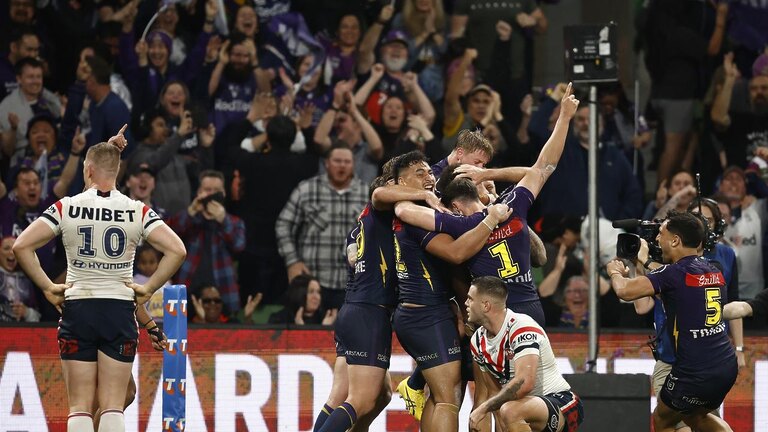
[[233, 82], [744, 132], [311, 229]]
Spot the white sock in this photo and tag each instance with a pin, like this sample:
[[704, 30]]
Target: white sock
[[112, 420], [80, 422]]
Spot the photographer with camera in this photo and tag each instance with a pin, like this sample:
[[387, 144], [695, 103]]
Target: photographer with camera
[[704, 365], [212, 236]]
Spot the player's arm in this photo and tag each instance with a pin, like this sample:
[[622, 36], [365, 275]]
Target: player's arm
[[628, 289], [481, 395], [643, 305], [170, 245], [468, 244], [37, 234], [550, 154], [385, 197], [538, 251], [519, 387], [736, 310], [415, 215]]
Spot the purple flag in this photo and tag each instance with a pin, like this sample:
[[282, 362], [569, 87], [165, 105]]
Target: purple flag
[[288, 39], [749, 23]]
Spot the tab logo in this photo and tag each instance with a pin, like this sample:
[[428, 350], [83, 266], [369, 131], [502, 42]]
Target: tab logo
[[169, 386], [184, 307], [171, 307], [171, 343]]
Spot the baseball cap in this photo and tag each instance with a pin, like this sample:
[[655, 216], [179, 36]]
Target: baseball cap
[[143, 168], [395, 35], [481, 88], [760, 66], [734, 168]]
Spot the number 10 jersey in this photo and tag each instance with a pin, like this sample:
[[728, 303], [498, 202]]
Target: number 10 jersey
[[100, 232]]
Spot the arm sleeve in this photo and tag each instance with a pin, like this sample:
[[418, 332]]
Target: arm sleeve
[[54, 214], [149, 221], [454, 225], [658, 278], [525, 341], [519, 200]]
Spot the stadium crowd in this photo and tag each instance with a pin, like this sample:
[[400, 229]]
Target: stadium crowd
[[257, 127]]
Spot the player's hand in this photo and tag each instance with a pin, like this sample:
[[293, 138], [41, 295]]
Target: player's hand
[[569, 104], [330, 316], [476, 174], [119, 140], [433, 201], [499, 212], [252, 304], [143, 292], [158, 338], [617, 266], [55, 293], [476, 417]]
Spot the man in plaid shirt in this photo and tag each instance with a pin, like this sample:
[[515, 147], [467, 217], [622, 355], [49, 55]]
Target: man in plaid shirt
[[312, 227], [212, 236]]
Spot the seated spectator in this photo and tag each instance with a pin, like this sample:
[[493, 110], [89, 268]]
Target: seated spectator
[[575, 313], [424, 23], [147, 259], [18, 108], [677, 196], [210, 308], [18, 299], [304, 304]]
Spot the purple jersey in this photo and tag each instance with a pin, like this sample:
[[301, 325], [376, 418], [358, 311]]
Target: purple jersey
[[375, 279], [438, 168], [507, 254], [14, 219], [419, 274], [693, 296], [232, 101]]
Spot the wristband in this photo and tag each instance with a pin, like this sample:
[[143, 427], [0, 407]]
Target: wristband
[[156, 332], [145, 324], [76, 154], [740, 348], [486, 225], [647, 263]]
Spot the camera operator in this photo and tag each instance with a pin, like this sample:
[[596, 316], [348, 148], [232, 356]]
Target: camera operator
[[704, 365]]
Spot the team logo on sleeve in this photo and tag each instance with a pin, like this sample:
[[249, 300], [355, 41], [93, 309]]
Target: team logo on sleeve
[[51, 210], [153, 215]]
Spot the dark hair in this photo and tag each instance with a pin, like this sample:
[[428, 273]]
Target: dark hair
[[688, 226], [462, 189], [24, 170], [405, 161], [235, 38], [20, 32], [491, 286], [27, 62], [296, 297], [211, 173], [281, 132], [337, 144], [554, 225], [100, 70], [146, 247]]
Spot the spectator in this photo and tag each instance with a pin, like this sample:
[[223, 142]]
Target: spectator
[[43, 154], [141, 185], [619, 197], [677, 196], [677, 52], [18, 299], [312, 227], [741, 131], [233, 82], [246, 22], [282, 170], [28, 100], [210, 308], [116, 82], [423, 22], [107, 113], [341, 54], [24, 44], [313, 95], [304, 304], [354, 131], [575, 312], [147, 259], [479, 99], [746, 232], [167, 21], [212, 237]]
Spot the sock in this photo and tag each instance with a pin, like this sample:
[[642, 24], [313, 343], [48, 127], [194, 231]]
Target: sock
[[112, 420], [322, 417], [416, 381], [80, 422], [341, 419]]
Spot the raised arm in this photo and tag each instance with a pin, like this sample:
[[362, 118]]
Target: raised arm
[[452, 102], [416, 96], [70, 168], [218, 71], [366, 57], [722, 104], [480, 175], [550, 154], [362, 94], [375, 146]]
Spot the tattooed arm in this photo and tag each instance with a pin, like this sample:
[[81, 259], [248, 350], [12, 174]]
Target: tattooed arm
[[519, 387]]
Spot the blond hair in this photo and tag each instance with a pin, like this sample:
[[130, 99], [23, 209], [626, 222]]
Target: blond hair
[[414, 20], [105, 157], [471, 141]]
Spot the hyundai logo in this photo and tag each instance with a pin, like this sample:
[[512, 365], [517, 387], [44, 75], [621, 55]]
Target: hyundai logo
[[77, 263]]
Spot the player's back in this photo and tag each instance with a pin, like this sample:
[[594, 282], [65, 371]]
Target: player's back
[[374, 279], [100, 232], [421, 276]]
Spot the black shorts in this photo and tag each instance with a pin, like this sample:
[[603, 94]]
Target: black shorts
[[428, 334], [363, 334], [106, 325], [567, 403], [531, 308], [686, 393], [467, 373]]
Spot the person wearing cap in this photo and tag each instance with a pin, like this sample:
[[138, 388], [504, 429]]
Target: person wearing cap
[[146, 64], [22, 104], [743, 131], [140, 184], [391, 78]]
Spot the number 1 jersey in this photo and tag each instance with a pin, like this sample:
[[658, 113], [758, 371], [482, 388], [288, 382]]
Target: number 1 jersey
[[100, 232]]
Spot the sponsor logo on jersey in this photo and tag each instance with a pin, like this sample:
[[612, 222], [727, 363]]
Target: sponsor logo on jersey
[[704, 280], [77, 263], [509, 229]]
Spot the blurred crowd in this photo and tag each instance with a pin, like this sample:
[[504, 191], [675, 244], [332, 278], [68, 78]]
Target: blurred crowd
[[257, 126]]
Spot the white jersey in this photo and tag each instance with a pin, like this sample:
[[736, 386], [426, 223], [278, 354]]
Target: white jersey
[[100, 232], [520, 336]]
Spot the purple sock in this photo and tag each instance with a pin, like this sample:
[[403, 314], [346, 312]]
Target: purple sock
[[341, 419], [416, 380], [322, 417]]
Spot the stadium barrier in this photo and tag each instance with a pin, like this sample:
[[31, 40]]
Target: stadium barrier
[[245, 379]]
